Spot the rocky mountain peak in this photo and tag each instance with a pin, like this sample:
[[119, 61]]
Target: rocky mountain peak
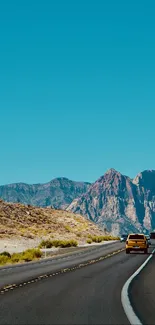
[[112, 171], [113, 182], [118, 202], [111, 174]]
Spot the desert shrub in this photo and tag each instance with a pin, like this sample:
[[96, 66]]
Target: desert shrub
[[4, 259], [31, 254], [27, 256], [68, 228], [99, 239], [37, 253], [59, 243], [64, 243], [45, 243], [5, 254], [106, 238], [70, 243], [15, 257], [56, 243], [116, 238], [89, 241]]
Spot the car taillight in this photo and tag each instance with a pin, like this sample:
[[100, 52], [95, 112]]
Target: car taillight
[[126, 241]]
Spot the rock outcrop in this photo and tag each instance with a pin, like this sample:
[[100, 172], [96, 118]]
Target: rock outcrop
[[119, 203]]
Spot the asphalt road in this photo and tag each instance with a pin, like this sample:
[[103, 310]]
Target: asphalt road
[[142, 293], [19, 273], [87, 295]]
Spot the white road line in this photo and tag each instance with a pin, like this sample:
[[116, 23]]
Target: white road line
[[132, 317]]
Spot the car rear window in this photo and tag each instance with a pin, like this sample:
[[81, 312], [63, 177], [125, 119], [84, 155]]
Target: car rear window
[[136, 237]]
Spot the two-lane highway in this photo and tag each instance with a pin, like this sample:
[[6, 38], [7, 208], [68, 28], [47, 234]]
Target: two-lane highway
[[86, 295], [19, 273]]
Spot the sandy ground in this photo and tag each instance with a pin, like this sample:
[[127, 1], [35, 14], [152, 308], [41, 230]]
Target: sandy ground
[[19, 245]]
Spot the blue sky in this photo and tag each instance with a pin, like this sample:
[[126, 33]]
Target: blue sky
[[77, 82]]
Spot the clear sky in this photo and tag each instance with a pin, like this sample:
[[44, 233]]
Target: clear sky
[[77, 88]]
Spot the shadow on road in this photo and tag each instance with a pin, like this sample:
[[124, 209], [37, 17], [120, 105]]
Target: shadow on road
[[141, 253]]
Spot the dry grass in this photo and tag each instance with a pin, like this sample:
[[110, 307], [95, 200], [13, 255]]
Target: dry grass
[[27, 256], [58, 243]]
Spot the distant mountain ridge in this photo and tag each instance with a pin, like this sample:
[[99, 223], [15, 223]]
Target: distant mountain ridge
[[119, 203], [115, 201], [59, 193]]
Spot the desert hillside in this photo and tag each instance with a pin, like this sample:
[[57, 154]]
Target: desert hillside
[[23, 222]]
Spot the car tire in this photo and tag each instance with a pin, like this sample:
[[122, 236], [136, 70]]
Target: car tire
[[127, 251], [145, 251]]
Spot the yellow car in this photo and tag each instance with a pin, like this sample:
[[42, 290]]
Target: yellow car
[[136, 242]]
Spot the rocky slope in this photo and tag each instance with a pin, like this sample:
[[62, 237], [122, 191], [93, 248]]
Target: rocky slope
[[119, 203], [20, 221], [59, 193]]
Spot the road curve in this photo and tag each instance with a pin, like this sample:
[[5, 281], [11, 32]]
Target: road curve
[[142, 293], [19, 273], [88, 295]]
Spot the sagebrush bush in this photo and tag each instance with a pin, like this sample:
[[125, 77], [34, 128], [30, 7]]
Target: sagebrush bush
[[58, 243], [27, 256], [99, 239]]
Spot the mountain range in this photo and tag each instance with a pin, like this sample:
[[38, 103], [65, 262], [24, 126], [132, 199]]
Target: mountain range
[[58, 193], [115, 201]]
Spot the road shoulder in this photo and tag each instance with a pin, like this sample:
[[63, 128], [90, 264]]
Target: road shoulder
[[142, 294]]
